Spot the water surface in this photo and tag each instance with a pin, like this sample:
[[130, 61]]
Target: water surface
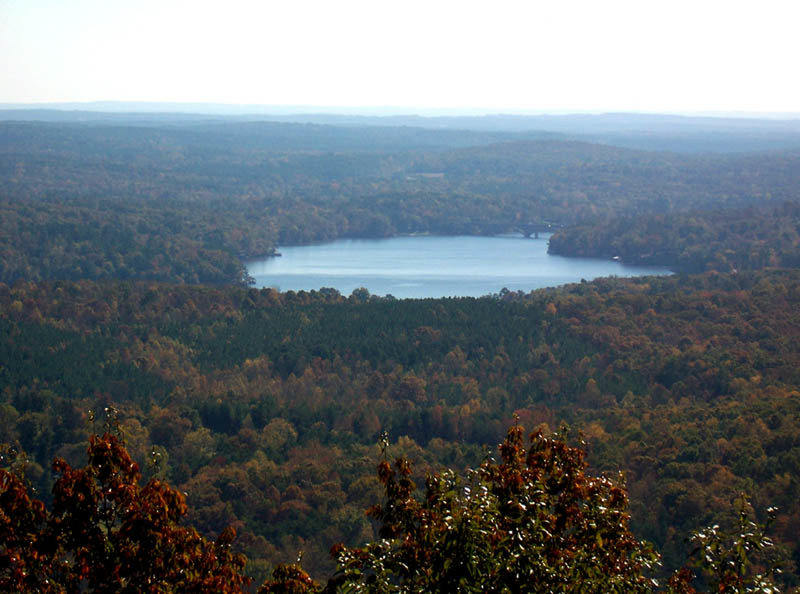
[[431, 266]]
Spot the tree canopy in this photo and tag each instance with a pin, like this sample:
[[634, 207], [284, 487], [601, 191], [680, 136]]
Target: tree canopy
[[533, 522], [107, 533]]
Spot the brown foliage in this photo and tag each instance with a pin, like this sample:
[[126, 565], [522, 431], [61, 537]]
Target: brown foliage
[[106, 533]]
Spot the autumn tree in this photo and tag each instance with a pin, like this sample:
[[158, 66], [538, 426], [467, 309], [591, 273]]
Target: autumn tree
[[107, 533], [533, 522]]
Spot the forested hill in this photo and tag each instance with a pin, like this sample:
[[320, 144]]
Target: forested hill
[[115, 134], [688, 134], [694, 241], [186, 203], [265, 407]]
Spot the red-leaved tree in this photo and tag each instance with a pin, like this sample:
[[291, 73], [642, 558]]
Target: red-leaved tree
[[107, 533]]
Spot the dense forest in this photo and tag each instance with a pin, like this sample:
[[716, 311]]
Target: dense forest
[[186, 203], [694, 241], [123, 296], [534, 521], [266, 407]]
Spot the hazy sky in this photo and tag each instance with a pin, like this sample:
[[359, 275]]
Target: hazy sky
[[554, 55]]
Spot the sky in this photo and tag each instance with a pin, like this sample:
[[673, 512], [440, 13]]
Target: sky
[[533, 56]]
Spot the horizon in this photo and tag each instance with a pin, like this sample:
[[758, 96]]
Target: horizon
[[121, 107], [518, 58]]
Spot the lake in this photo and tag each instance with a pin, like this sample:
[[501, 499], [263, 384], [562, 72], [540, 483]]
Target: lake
[[431, 266]]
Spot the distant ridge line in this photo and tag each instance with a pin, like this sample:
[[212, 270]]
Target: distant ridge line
[[209, 108]]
